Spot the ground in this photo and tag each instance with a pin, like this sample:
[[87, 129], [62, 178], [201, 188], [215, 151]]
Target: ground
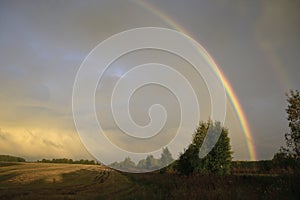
[[71, 181]]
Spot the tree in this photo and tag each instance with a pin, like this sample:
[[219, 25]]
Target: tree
[[7, 158], [219, 158], [165, 160], [282, 160], [166, 157], [151, 162], [127, 163], [293, 136], [142, 164], [188, 161]]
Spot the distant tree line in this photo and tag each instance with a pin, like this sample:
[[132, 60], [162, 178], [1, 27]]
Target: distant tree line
[[218, 161], [259, 167], [68, 161], [149, 163], [262, 166], [7, 158], [278, 165]]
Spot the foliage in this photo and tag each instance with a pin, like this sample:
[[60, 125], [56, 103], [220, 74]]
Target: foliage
[[7, 158], [173, 186], [252, 167], [166, 157], [68, 161], [288, 158], [149, 163], [286, 163], [95, 182], [127, 163], [142, 164], [219, 158], [293, 136]]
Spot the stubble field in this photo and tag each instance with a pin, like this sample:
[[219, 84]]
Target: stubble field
[[72, 181]]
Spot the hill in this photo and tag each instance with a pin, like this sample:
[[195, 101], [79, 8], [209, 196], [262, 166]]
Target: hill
[[8, 158]]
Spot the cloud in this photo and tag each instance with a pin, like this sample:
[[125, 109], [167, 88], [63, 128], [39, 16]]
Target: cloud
[[279, 22], [42, 47], [32, 144]]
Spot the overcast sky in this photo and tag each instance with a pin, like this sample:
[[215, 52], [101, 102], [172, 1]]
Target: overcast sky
[[42, 44]]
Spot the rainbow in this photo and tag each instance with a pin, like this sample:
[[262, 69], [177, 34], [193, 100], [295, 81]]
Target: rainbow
[[275, 63], [230, 92]]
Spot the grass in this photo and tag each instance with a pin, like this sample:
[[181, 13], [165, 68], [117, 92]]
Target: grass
[[168, 186], [3, 164], [65, 181]]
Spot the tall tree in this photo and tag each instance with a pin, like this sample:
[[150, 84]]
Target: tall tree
[[127, 163], [219, 158], [142, 164], [166, 157], [293, 136], [150, 162]]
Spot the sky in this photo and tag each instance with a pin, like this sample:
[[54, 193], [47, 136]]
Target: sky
[[256, 45]]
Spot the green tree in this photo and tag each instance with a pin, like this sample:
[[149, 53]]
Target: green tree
[[188, 161], [293, 136], [7, 158], [166, 157], [282, 160], [142, 164], [127, 163], [151, 162], [217, 161], [165, 160]]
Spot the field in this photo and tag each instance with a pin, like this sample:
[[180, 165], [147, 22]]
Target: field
[[72, 181]]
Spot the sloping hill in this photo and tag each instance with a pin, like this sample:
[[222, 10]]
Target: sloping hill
[[64, 181], [7, 158]]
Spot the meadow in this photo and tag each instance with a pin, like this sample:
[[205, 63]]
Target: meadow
[[75, 181]]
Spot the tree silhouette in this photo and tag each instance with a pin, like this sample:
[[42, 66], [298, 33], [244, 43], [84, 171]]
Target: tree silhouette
[[166, 157], [219, 158], [293, 136]]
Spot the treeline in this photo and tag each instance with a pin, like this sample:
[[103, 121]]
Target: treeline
[[7, 158], [68, 161], [249, 167], [216, 162], [278, 165], [149, 163]]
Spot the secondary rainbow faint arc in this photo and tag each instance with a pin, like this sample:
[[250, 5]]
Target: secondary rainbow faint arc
[[232, 96]]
